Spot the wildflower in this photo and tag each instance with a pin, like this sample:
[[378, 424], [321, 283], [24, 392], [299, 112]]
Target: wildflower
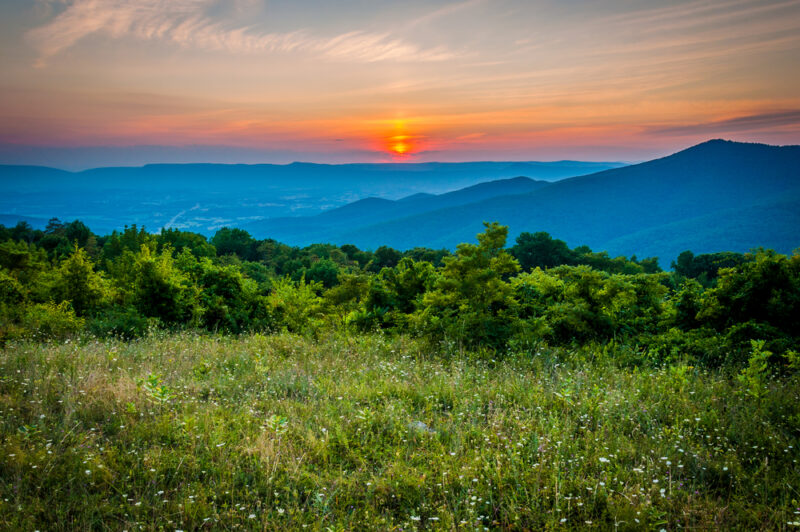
[[604, 460]]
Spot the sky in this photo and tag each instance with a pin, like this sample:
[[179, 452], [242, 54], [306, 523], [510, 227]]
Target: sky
[[126, 82]]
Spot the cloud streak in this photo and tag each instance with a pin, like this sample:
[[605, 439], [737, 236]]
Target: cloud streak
[[756, 122], [186, 23]]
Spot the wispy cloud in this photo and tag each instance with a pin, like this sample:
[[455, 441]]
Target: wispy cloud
[[739, 124], [445, 11], [186, 23]]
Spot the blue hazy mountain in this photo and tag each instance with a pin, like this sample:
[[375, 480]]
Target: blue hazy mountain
[[332, 224], [204, 197], [719, 195]]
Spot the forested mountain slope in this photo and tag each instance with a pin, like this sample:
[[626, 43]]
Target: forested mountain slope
[[332, 224], [718, 192]]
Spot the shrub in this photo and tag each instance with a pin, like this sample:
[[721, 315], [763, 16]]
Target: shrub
[[295, 305], [123, 322], [50, 320]]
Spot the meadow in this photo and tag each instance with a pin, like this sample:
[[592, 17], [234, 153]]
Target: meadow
[[192, 430]]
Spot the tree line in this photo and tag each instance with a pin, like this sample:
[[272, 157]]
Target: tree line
[[66, 281]]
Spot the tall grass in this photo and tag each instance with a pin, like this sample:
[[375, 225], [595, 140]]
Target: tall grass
[[192, 431]]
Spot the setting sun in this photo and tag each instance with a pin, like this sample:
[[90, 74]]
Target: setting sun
[[400, 145], [400, 148]]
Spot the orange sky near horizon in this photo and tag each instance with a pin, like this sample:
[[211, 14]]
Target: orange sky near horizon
[[390, 81]]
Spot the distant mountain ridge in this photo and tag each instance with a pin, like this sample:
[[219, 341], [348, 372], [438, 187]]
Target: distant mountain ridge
[[332, 224], [700, 192], [303, 175], [204, 197], [718, 195]]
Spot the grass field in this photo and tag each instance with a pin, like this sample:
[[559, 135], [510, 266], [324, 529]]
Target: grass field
[[191, 431]]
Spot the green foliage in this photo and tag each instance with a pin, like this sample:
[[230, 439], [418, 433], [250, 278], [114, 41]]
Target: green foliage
[[161, 290], [12, 292], [121, 322], [78, 283], [687, 303], [51, 320], [295, 305], [474, 299], [232, 241], [323, 271], [472, 303], [540, 250], [179, 240], [579, 304], [394, 295], [229, 301], [765, 289], [793, 360], [384, 257], [705, 268], [24, 261], [131, 239], [348, 295], [434, 256], [755, 377], [155, 389]]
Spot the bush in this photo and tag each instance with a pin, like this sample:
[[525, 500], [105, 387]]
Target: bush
[[50, 320], [123, 322], [295, 305]]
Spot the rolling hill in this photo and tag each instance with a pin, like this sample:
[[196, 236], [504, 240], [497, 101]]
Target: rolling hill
[[330, 225], [718, 195]]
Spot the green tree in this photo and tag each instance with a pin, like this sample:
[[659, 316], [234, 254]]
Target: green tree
[[540, 250], [180, 240], [228, 300], [78, 283], [765, 290], [234, 241], [384, 257], [131, 239], [323, 271], [472, 303], [395, 293], [705, 268], [161, 290]]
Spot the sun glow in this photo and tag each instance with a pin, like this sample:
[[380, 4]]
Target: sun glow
[[400, 145]]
